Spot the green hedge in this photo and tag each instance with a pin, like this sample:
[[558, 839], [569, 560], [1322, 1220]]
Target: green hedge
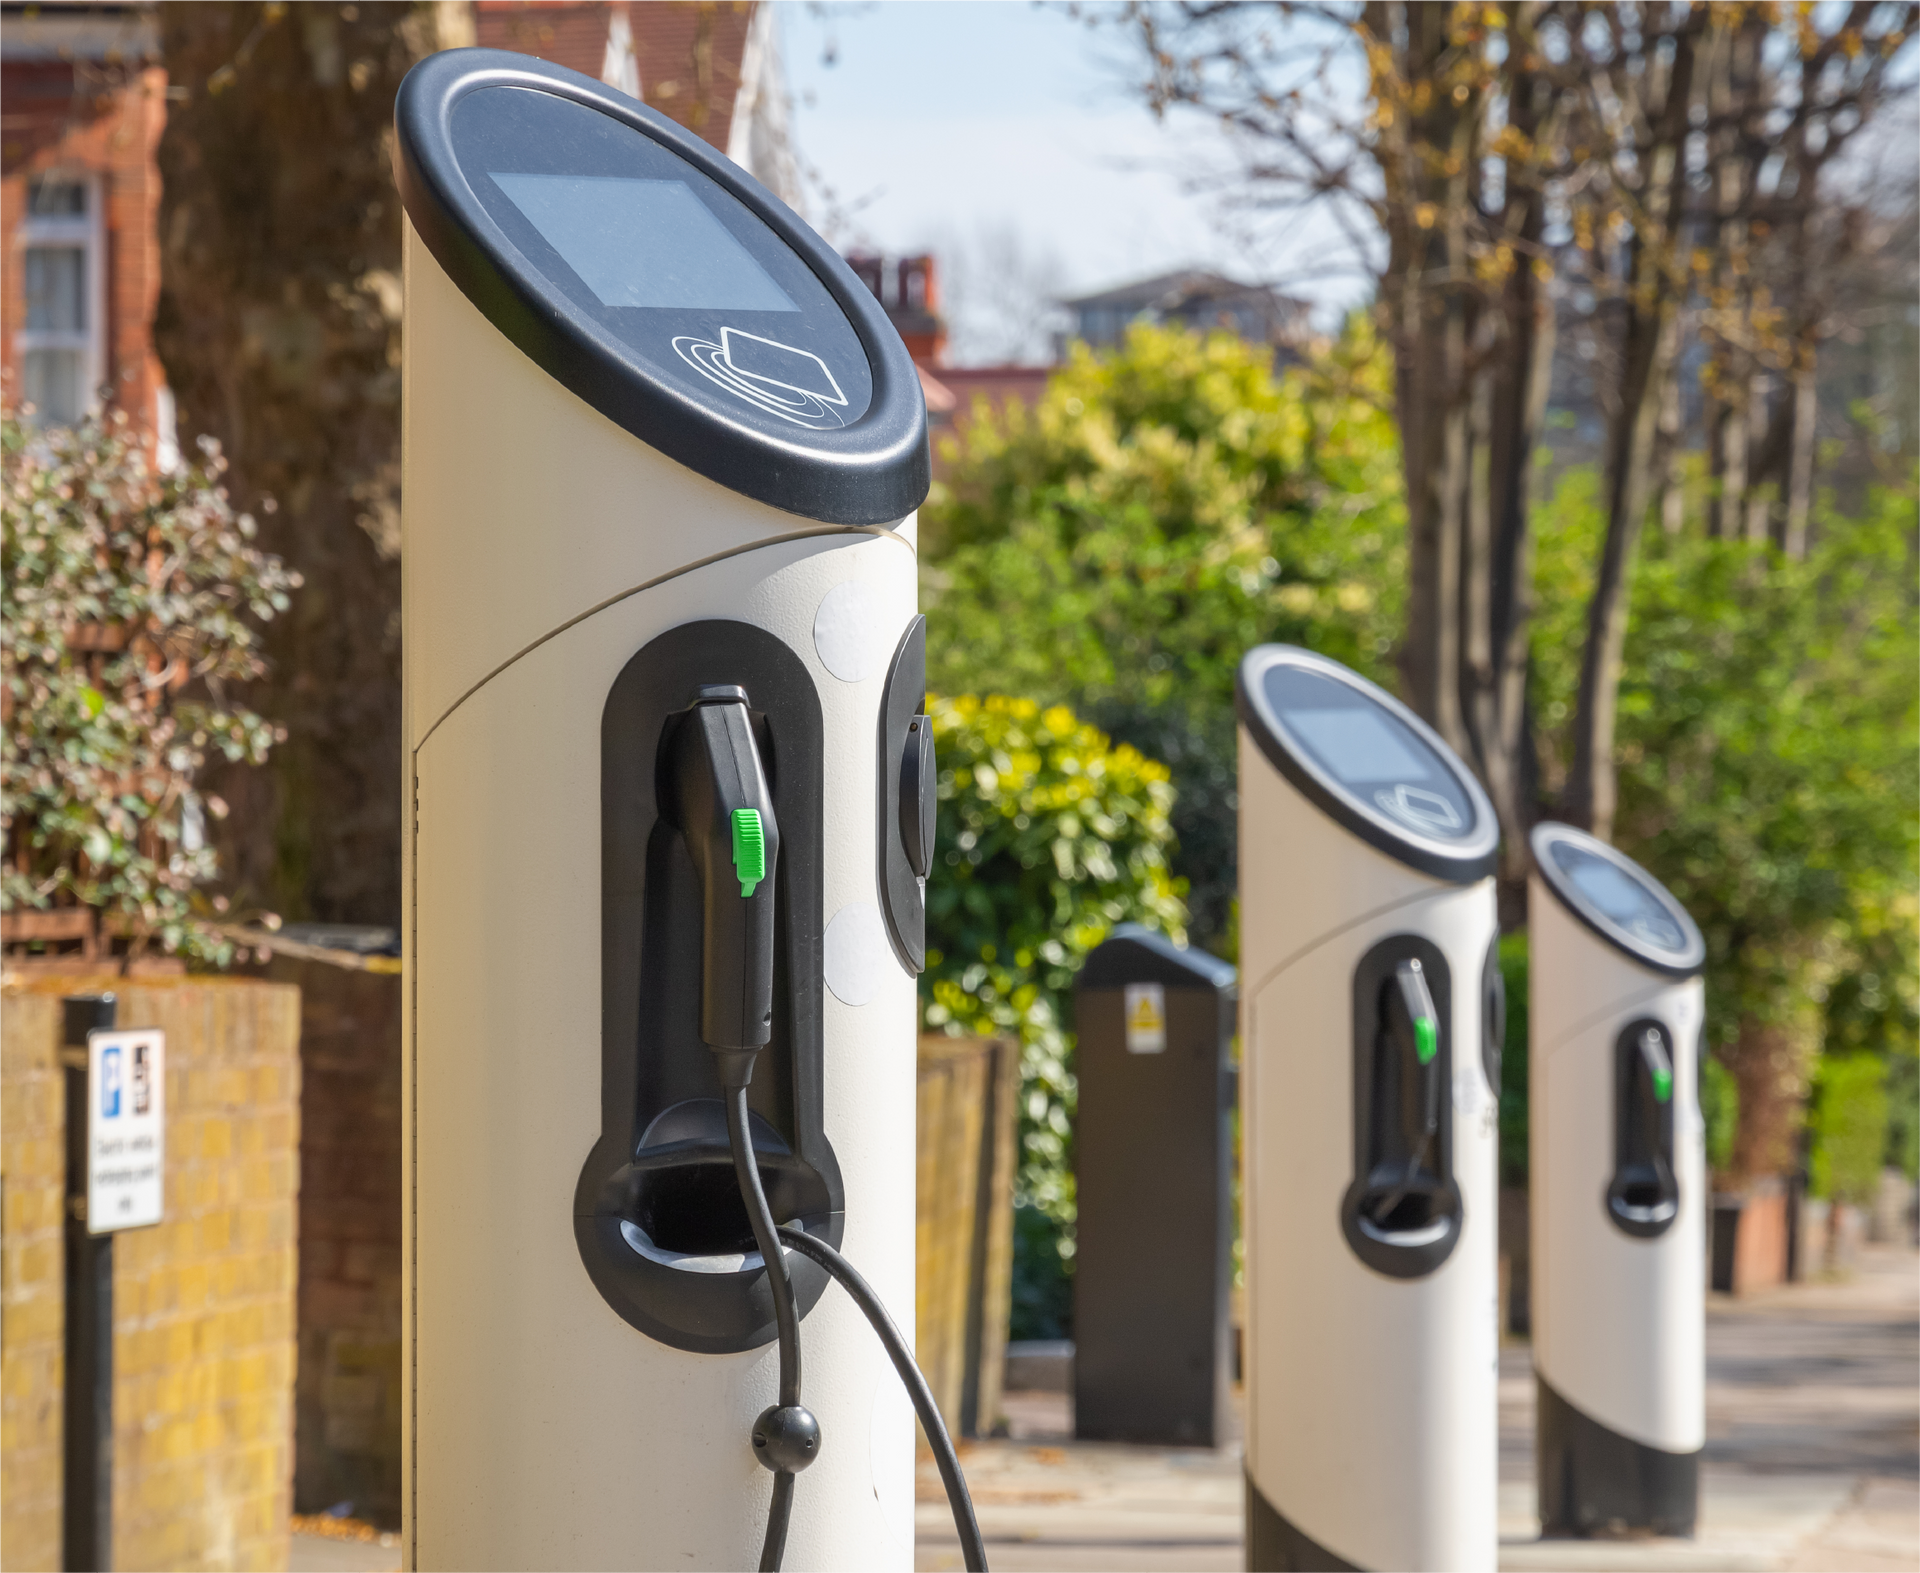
[[1848, 1126], [1049, 835]]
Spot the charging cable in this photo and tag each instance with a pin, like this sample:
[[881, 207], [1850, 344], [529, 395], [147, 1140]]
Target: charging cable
[[725, 810], [786, 1438]]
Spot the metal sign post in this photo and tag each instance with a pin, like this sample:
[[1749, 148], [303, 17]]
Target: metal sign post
[[116, 1112]]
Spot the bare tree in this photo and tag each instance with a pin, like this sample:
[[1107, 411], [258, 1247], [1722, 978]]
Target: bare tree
[[1495, 154], [1001, 296]]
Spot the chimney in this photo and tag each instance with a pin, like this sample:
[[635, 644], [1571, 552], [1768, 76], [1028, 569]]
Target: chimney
[[916, 310]]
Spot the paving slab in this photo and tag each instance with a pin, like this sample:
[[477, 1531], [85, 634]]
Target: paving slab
[[1812, 1462], [1812, 1458], [327, 1554]]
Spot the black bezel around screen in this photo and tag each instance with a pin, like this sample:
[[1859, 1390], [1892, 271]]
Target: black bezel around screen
[[463, 115], [1462, 859], [1684, 963]]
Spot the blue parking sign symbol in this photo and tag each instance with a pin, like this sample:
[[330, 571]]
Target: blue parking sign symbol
[[110, 1084]]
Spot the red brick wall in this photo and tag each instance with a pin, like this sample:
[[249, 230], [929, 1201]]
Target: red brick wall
[[574, 36], [1760, 1246], [106, 122], [688, 52], [347, 1399]]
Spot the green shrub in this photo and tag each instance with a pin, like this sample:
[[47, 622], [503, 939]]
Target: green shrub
[[1767, 745], [1903, 1114], [1163, 507], [1048, 836], [1042, 1280], [1720, 1110], [1849, 1128], [131, 598], [1514, 1091]]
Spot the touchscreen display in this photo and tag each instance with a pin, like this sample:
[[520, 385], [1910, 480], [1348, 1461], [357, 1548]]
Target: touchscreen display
[[643, 242], [1358, 745], [1375, 757], [1618, 896], [672, 272]]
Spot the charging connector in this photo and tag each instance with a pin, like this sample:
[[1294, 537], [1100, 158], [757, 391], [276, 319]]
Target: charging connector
[[726, 813]]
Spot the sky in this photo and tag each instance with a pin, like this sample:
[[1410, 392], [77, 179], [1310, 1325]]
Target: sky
[[1000, 134]]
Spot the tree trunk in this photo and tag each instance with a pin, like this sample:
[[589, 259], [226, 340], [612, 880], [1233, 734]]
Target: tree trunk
[[1427, 328], [1803, 393], [279, 326], [1591, 784], [1650, 338], [1727, 467], [1473, 368], [1759, 498], [1770, 1062], [1429, 424], [1516, 381], [1671, 502]]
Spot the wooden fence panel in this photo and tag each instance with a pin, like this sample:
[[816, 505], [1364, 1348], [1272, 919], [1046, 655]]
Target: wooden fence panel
[[968, 1093]]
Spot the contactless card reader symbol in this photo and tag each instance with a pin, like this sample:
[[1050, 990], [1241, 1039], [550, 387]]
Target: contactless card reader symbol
[[1420, 809], [778, 378]]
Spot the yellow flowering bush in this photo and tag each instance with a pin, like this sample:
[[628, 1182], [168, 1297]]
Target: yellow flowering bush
[[1049, 835]]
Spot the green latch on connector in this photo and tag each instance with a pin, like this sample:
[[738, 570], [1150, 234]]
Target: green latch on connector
[[749, 849], [1659, 1067], [1426, 1039]]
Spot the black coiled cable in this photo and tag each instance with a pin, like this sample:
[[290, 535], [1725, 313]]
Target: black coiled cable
[[787, 1437], [972, 1548]]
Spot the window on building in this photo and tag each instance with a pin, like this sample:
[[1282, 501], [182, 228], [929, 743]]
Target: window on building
[[61, 339]]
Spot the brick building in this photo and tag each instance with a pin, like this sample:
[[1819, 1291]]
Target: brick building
[[1191, 298], [82, 105], [83, 102], [715, 68], [909, 288], [83, 99]]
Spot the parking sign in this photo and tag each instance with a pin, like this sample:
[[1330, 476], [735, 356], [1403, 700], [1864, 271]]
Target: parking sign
[[126, 1128]]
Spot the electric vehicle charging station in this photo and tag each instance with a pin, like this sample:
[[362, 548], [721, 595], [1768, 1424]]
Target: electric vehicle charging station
[[1618, 1163], [1153, 1157], [1369, 1128], [669, 804]]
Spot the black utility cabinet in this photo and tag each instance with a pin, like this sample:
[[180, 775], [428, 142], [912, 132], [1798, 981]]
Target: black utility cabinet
[[1152, 1271]]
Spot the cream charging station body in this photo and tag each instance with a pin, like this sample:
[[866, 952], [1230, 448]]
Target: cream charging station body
[[1616, 1006], [1369, 1048], [662, 457]]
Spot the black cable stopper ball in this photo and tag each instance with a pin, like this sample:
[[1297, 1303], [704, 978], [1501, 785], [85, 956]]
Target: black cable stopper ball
[[787, 1438]]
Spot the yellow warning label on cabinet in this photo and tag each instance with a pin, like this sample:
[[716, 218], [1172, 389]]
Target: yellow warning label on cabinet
[[1146, 1005]]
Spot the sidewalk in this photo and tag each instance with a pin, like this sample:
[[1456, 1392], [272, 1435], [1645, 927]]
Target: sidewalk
[[1812, 1461], [1812, 1458]]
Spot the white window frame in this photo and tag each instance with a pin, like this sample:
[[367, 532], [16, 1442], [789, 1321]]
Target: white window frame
[[88, 232]]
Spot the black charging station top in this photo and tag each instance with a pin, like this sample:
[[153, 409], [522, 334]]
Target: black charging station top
[[661, 284], [1368, 761], [1619, 900], [1135, 954]]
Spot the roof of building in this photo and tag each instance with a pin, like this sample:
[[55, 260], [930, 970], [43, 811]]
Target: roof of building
[[1172, 291], [952, 391], [52, 31], [940, 398]]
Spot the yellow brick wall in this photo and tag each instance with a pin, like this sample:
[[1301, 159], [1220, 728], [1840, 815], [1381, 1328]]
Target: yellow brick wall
[[203, 1303]]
